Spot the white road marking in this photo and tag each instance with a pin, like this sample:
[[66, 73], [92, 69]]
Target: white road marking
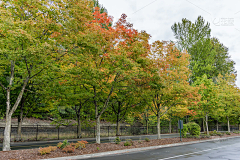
[[192, 153]]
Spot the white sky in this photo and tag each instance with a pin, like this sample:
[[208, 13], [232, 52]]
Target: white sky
[[157, 16]]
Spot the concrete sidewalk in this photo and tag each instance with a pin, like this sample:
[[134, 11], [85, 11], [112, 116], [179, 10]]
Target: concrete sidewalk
[[135, 150]]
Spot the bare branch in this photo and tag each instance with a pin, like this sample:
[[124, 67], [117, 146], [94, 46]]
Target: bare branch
[[29, 73], [36, 73]]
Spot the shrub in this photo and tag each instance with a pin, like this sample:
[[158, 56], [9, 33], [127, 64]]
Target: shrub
[[193, 128], [147, 140], [191, 136], [228, 133], [127, 143], [117, 140], [204, 136], [140, 142], [63, 144], [59, 144], [98, 148], [68, 149], [52, 148], [184, 130], [81, 144], [220, 134], [236, 132], [46, 150]]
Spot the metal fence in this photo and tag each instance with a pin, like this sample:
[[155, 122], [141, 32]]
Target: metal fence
[[43, 132]]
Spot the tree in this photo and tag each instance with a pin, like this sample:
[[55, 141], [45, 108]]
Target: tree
[[169, 87], [122, 103], [106, 58], [188, 33], [209, 98], [208, 55], [29, 46], [228, 96]]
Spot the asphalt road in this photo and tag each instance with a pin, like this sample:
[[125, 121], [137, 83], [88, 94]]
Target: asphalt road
[[30, 145], [215, 150]]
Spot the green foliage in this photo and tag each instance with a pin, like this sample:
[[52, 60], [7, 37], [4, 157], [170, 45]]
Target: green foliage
[[236, 132], [193, 128], [188, 33], [208, 55], [192, 136], [204, 136], [184, 130], [117, 140], [63, 144], [147, 140], [228, 133], [127, 143], [98, 148]]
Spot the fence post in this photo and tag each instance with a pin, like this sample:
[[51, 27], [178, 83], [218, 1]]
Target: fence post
[[108, 131], [94, 131], [58, 132], [37, 132]]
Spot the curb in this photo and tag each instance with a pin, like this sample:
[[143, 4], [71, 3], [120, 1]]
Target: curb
[[135, 149]]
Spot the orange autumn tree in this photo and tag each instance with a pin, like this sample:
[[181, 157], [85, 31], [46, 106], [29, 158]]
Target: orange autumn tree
[[123, 51], [169, 85], [107, 58]]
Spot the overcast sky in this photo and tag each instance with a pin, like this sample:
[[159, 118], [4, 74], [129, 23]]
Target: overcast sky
[[157, 16]]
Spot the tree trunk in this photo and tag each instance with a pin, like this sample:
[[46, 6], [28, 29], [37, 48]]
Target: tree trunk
[[98, 130], [217, 125], [207, 124], [158, 127], [118, 125], [170, 125], [204, 130], [228, 124], [20, 119], [79, 129], [147, 125], [7, 132], [9, 111], [19, 130]]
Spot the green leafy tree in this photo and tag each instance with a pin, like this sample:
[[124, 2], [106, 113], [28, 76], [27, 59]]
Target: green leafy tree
[[208, 55], [188, 33], [28, 37], [229, 97], [209, 98]]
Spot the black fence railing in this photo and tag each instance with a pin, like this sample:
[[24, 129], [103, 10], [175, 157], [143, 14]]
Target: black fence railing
[[43, 132]]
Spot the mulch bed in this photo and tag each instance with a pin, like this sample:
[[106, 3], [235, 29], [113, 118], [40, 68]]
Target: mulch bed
[[32, 154]]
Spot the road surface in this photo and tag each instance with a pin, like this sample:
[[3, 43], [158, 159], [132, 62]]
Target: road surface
[[215, 150]]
